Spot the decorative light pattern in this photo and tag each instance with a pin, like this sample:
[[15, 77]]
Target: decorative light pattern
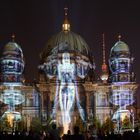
[[67, 90], [12, 97], [12, 67], [66, 71], [120, 63], [121, 97]]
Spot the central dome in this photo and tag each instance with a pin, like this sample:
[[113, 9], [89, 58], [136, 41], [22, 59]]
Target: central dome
[[66, 50], [65, 41]]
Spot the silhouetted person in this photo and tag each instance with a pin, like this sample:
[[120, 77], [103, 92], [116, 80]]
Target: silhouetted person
[[76, 135], [136, 134], [54, 134], [68, 136]]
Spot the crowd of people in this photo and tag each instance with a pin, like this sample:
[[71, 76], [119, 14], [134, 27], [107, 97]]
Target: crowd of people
[[54, 135]]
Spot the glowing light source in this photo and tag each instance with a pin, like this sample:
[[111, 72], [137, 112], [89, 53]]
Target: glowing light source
[[66, 24], [12, 116]]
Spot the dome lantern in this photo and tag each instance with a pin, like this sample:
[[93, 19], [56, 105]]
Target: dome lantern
[[13, 37], [119, 37], [66, 24]]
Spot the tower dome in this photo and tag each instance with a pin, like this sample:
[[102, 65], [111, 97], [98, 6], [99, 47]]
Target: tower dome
[[120, 49], [12, 62], [120, 46], [120, 62]]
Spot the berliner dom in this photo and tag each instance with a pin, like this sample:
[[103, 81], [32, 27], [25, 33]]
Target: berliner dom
[[68, 90]]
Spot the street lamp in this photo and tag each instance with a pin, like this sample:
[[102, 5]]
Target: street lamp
[[132, 115]]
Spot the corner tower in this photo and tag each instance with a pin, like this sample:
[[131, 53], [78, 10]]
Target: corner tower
[[11, 76], [121, 63], [123, 84]]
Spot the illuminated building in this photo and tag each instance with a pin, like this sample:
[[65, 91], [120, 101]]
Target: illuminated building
[[12, 66], [15, 96], [123, 84], [64, 71], [66, 89]]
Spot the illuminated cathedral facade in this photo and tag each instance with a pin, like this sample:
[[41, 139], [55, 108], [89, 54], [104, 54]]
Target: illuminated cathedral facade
[[67, 89]]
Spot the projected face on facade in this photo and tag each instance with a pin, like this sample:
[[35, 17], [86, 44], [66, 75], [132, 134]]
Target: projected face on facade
[[66, 58]]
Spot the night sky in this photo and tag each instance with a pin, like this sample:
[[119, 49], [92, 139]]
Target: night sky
[[35, 21]]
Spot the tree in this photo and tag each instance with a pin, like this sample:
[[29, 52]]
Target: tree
[[21, 125], [80, 124], [36, 125], [107, 125], [96, 123], [126, 123]]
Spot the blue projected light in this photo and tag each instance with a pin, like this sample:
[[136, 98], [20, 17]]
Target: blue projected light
[[122, 98], [121, 77], [12, 67], [66, 72], [12, 97], [67, 90]]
